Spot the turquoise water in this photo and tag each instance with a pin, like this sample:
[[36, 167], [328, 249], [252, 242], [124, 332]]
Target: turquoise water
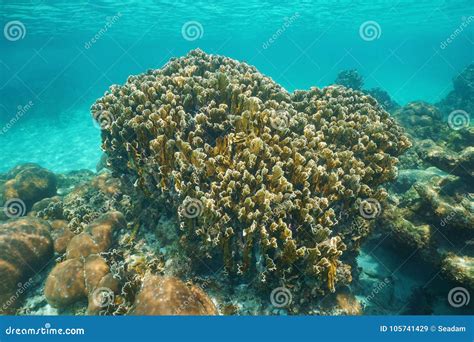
[[68, 53]]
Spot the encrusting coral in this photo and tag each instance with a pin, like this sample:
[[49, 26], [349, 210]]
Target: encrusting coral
[[251, 171]]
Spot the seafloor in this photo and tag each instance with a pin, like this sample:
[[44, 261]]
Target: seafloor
[[221, 193]]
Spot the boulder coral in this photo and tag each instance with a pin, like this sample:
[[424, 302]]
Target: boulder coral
[[170, 296], [26, 248], [29, 183], [251, 171], [85, 272]]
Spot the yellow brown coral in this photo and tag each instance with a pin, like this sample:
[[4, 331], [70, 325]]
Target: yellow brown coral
[[251, 169]]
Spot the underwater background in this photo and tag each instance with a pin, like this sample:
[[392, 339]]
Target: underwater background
[[58, 57], [54, 67]]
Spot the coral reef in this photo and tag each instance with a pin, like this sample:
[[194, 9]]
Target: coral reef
[[460, 164], [421, 120], [350, 79], [383, 99], [462, 96], [435, 217], [26, 248], [250, 171], [435, 142], [170, 296]]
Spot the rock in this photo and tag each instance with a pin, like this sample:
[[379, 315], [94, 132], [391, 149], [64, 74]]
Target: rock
[[170, 296], [97, 237], [25, 249], [66, 283], [107, 184], [407, 178], [103, 229], [43, 204], [30, 183], [101, 285], [95, 269], [61, 235], [85, 274], [82, 246], [459, 268], [460, 164]]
